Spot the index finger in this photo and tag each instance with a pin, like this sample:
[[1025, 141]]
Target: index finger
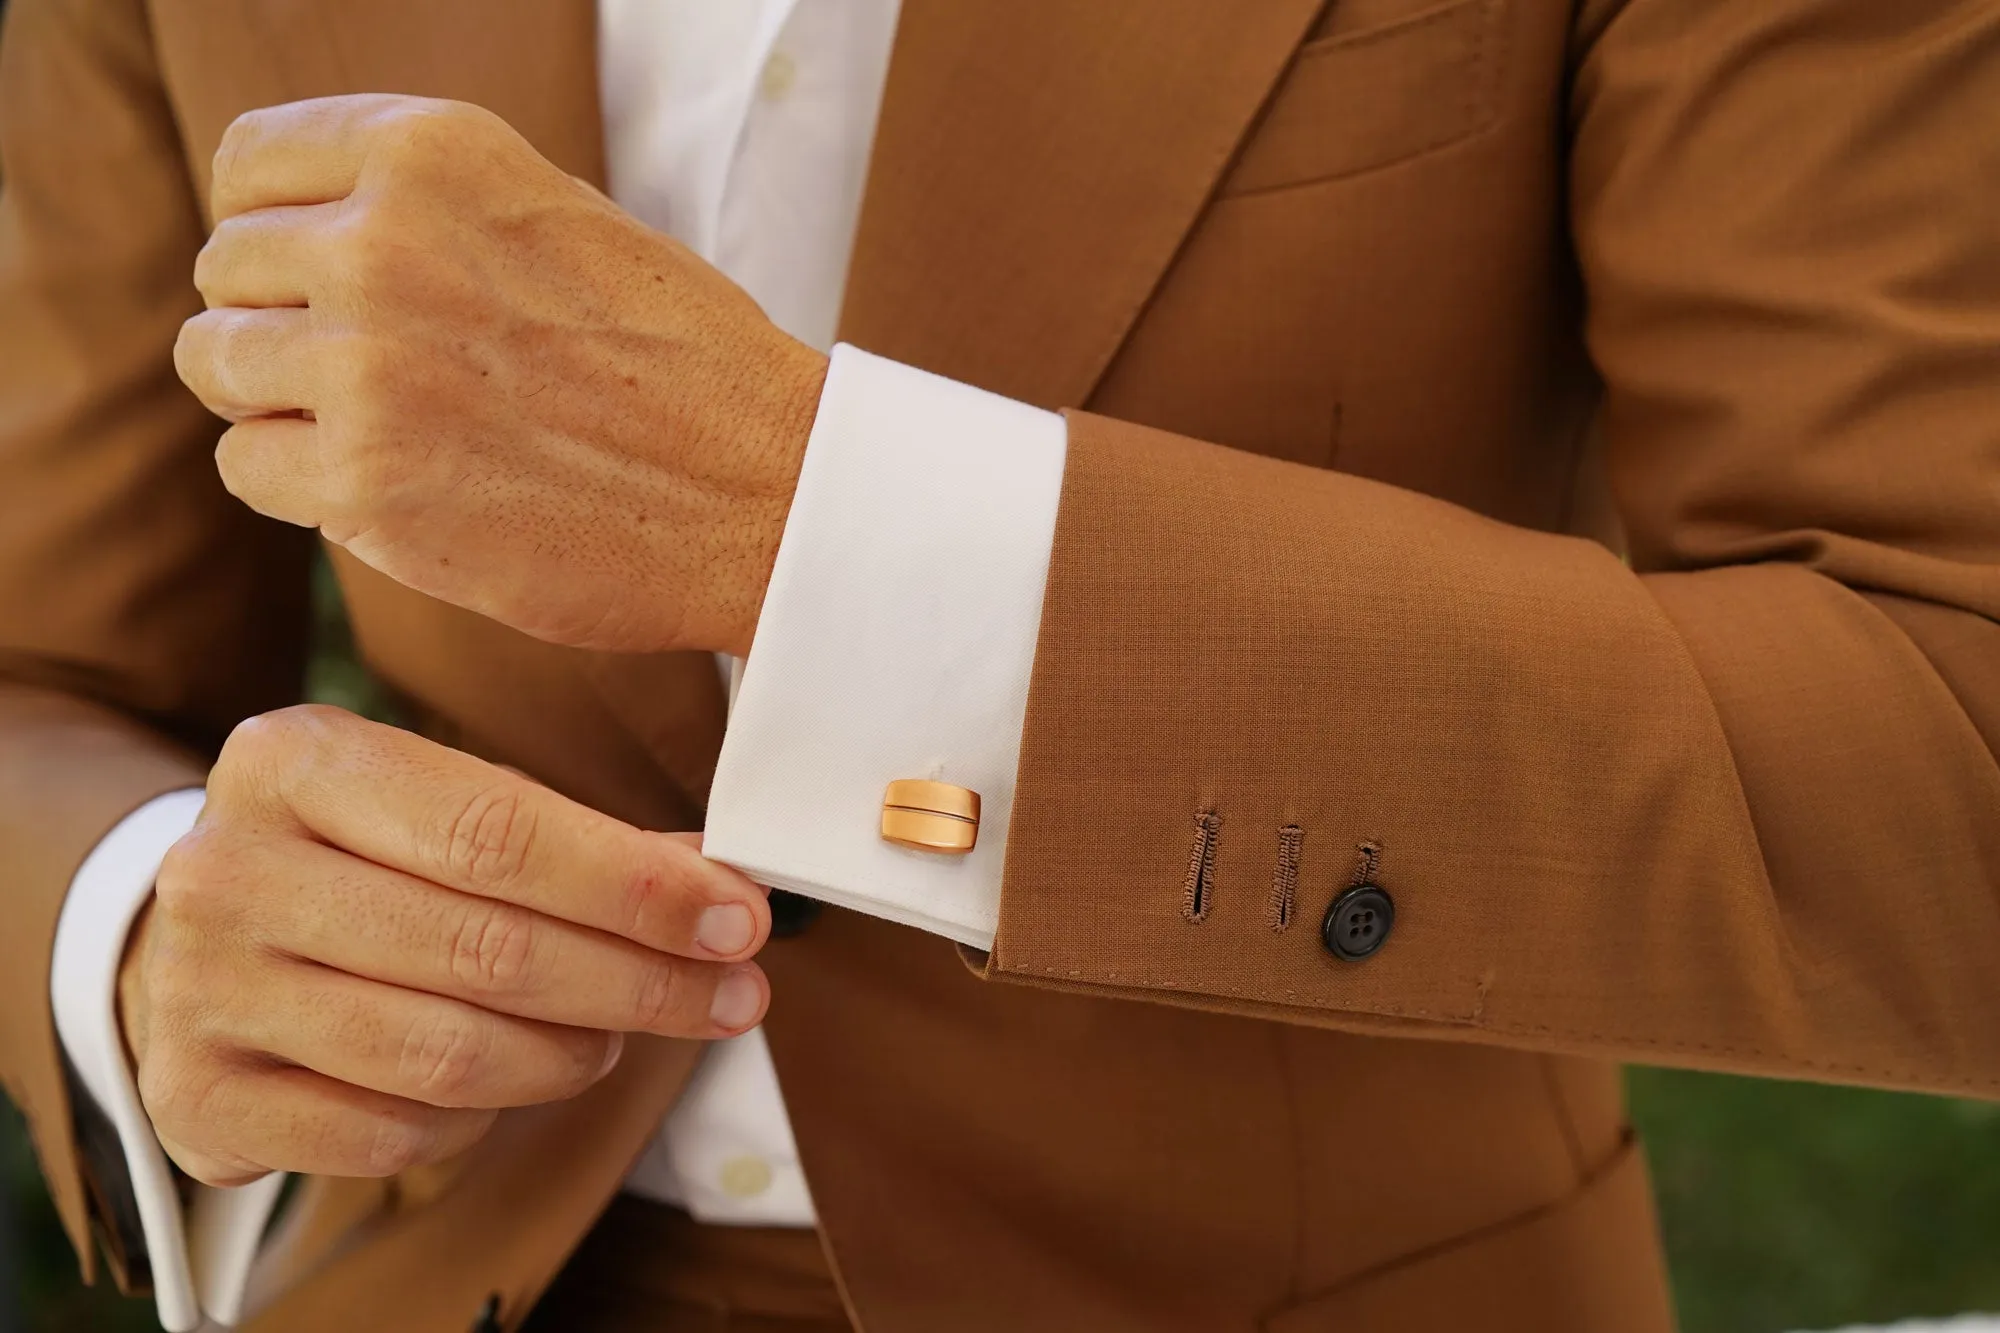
[[308, 152], [419, 807]]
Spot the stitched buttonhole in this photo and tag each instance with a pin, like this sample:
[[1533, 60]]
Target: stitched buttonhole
[[1285, 878], [1366, 866], [1195, 893]]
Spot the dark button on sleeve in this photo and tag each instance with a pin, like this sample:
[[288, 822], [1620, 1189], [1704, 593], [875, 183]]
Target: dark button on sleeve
[[1358, 922]]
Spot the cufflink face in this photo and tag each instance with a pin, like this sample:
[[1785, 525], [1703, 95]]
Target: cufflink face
[[930, 816]]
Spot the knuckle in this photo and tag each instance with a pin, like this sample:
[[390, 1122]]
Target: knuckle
[[442, 1058], [490, 837], [370, 245], [194, 351], [285, 736], [370, 377], [187, 352], [495, 950], [411, 135], [257, 751], [657, 998], [586, 1051], [230, 457], [185, 871], [179, 1091], [248, 739], [204, 268], [255, 739], [233, 335], [351, 491], [376, 483], [230, 345], [314, 724], [198, 886], [431, 128], [212, 258], [395, 1143], [371, 367], [235, 144], [647, 911], [216, 1168], [159, 1083], [361, 370], [177, 1013], [194, 993]]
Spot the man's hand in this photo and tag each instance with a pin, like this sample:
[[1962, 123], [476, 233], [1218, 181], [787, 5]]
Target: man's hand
[[483, 378], [370, 943]]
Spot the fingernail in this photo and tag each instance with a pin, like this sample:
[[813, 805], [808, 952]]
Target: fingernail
[[614, 1049], [726, 929], [737, 996]]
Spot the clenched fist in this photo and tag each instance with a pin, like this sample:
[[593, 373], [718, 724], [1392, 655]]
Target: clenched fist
[[370, 943], [483, 378]]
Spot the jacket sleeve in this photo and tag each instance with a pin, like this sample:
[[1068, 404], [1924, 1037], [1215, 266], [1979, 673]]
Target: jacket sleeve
[[142, 610], [1733, 803]]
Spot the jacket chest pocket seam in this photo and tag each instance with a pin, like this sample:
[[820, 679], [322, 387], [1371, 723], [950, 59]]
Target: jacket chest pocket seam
[[1359, 102]]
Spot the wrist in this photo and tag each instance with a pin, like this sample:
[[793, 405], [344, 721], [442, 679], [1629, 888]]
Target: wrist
[[796, 385]]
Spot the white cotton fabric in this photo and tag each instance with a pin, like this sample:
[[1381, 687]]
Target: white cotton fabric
[[893, 647]]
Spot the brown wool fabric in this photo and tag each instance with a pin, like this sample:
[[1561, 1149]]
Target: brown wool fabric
[[647, 1268], [1553, 443]]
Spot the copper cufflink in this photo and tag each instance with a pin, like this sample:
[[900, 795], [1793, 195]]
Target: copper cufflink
[[930, 816]]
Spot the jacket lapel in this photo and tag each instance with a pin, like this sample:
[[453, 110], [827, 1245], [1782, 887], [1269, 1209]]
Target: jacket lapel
[[1036, 166]]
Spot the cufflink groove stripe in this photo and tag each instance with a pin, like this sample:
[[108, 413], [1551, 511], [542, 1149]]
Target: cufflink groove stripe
[[936, 814]]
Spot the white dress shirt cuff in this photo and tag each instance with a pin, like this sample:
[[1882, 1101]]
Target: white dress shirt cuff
[[896, 641], [201, 1260]]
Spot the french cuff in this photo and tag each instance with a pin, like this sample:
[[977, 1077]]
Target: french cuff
[[199, 1258], [896, 642]]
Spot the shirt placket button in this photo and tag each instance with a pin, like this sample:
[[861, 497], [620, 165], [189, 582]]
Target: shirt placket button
[[780, 73], [745, 1177]]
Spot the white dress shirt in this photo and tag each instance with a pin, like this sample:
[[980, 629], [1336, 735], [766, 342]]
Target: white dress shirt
[[895, 641]]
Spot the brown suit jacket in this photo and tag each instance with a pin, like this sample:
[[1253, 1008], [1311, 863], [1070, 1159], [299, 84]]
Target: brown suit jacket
[[1366, 304]]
